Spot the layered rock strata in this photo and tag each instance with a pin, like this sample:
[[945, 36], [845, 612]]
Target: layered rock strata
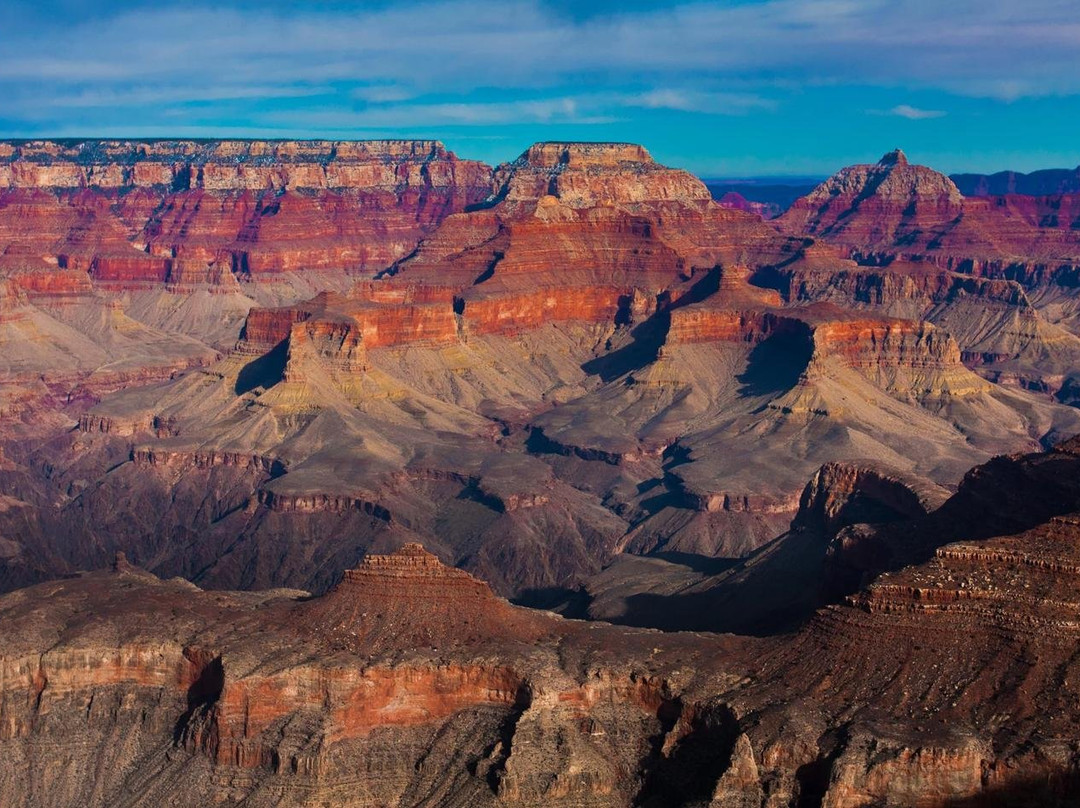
[[185, 213], [411, 681], [595, 359]]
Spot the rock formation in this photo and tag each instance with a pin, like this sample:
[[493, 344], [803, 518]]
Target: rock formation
[[1046, 182], [590, 357], [580, 383], [411, 597], [994, 271], [185, 213], [947, 681], [126, 262], [733, 199], [895, 209]]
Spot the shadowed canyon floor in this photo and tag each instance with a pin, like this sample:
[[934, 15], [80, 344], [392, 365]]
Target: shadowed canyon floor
[[842, 434]]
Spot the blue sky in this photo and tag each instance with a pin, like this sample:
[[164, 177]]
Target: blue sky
[[737, 88]]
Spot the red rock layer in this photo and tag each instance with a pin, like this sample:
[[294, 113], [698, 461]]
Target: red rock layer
[[39, 277], [862, 343], [513, 313], [952, 682], [589, 232], [234, 731], [185, 213], [865, 204], [372, 315], [869, 343], [711, 324], [265, 328], [879, 213], [258, 702], [575, 172]]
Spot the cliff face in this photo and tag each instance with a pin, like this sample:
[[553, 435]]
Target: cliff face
[[491, 716], [189, 213], [224, 165], [878, 348], [896, 210], [131, 261], [595, 358], [581, 174], [993, 271]]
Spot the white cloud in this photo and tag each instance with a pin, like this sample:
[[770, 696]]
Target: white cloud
[[140, 95], [584, 109], [697, 101], [383, 94], [914, 113]]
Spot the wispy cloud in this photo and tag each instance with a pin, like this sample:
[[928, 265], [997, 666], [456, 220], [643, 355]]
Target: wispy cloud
[[583, 109], [460, 45], [383, 93], [422, 115], [915, 113], [110, 97], [713, 103]]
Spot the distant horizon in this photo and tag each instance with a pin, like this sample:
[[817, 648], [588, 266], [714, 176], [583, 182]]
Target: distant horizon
[[791, 179]]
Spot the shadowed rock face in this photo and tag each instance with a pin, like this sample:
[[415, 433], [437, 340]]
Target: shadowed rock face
[[946, 682]]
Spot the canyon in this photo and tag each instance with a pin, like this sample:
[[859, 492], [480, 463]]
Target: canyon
[[791, 499]]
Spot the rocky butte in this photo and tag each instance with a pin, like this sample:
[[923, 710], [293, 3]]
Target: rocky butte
[[348, 408]]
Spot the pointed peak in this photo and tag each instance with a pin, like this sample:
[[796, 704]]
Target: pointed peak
[[122, 567], [408, 598], [894, 158], [410, 559]]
